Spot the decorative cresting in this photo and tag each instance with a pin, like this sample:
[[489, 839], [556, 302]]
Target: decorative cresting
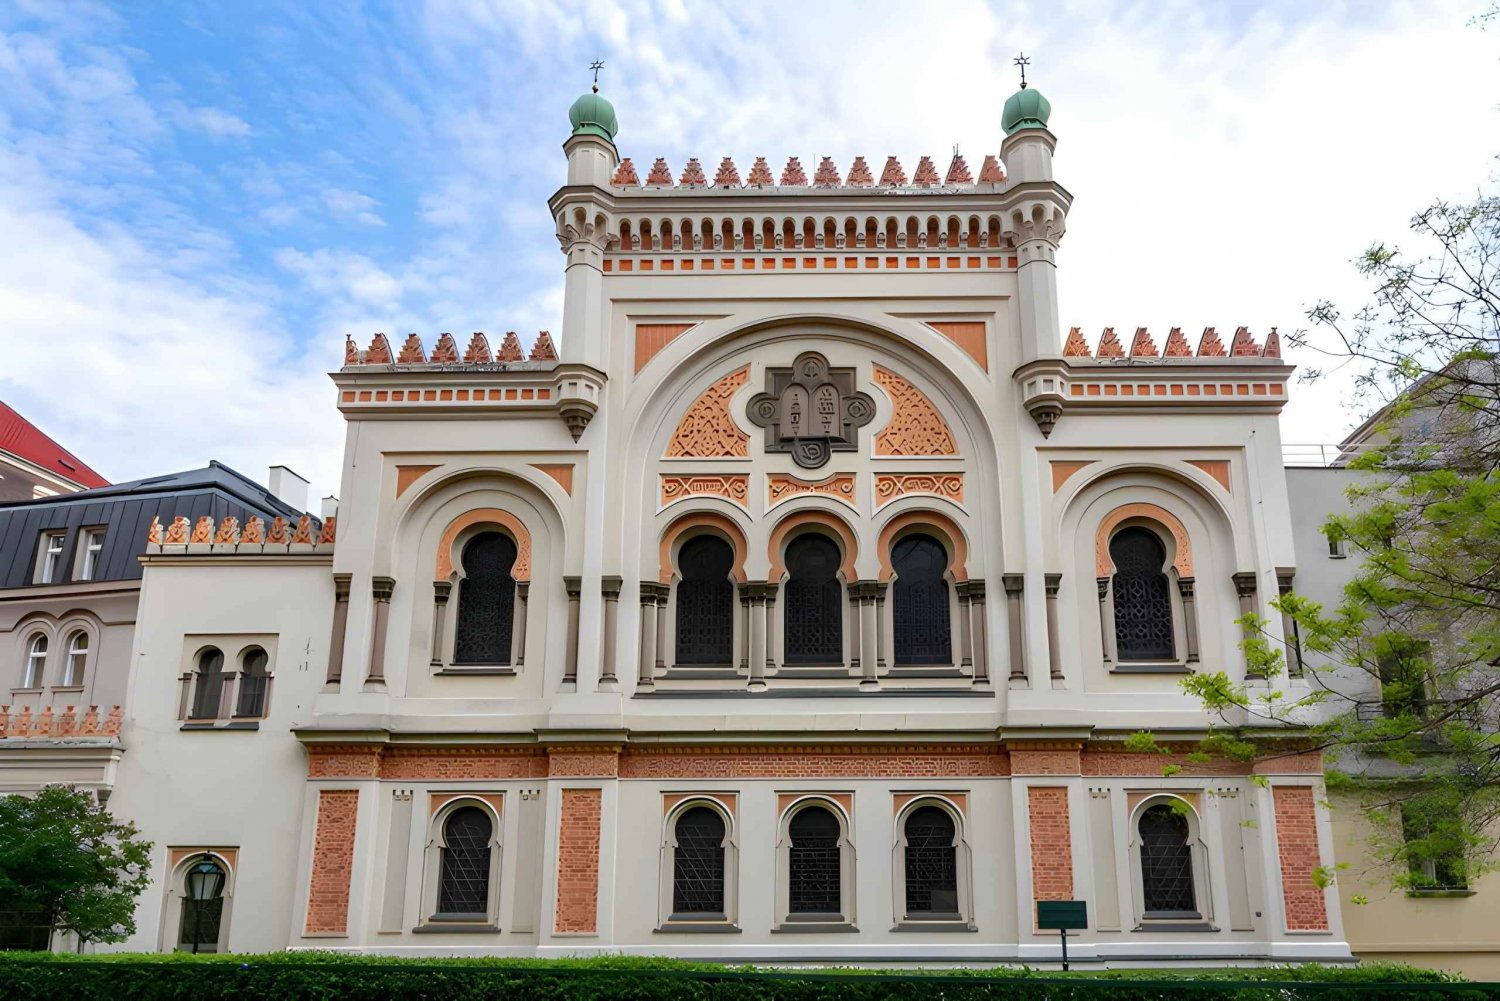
[[916, 427], [839, 486], [254, 537], [707, 431], [520, 571], [811, 410], [1182, 558]]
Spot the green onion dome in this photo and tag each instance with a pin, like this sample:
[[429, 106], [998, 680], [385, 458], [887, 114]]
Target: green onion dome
[[592, 115], [1025, 109]]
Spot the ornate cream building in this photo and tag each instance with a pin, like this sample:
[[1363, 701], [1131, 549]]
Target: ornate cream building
[[795, 606]]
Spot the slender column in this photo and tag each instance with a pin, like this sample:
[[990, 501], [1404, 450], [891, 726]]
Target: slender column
[[869, 666], [574, 587], [1244, 586], [744, 638], [518, 623], [1052, 582], [756, 593], [974, 593], [663, 595], [610, 586], [1186, 588], [440, 591], [381, 588], [341, 583], [1106, 638], [645, 677], [854, 648], [880, 662], [1014, 585], [965, 638], [771, 590], [1289, 628]]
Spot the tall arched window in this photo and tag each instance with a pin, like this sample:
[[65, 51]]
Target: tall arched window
[[705, 602], [208, 686], [931, 864], [464, 875], [486, 600], [1166, 864], [254, 679], [78, 657], [919, 601], [698, 864], [814, 864], [36, 662], [1143, 601], [814, 602], [202, 906]]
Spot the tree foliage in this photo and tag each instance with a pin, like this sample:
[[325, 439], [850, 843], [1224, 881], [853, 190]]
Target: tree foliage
[[66, 860]]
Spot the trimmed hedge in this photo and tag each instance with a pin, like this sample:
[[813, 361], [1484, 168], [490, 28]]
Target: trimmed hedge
[[372, 978]]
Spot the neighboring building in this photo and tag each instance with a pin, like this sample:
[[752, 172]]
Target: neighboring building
[[32, 465], [798, 612]]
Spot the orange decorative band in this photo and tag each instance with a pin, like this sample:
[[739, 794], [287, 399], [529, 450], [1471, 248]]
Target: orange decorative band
[[50, 723], [1182, 558], [889, 486], [729, 486], [971, 761], [510, 394], [415, 764], [1185, 390], [916, 427], [812, 262], [839, 486]]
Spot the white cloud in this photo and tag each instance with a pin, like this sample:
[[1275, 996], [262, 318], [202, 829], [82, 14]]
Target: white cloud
[[353, 205], [212, 121]]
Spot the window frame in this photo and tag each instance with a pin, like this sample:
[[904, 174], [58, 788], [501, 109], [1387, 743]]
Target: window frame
[[1202, 918], [667, 918], [432, 865], [955, 608], [844, 919], [1180, 660], [242, 685], [89, 554], [175, 891], [68, 678], [49, 561], [963, 859], [730, 665], [783, 600], [34, 661]]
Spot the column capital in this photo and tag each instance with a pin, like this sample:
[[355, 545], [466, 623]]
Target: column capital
[[610, 585], [1052, 582], [382, 587], [441, 589], [970, 590], [1014, 583], [342, 584], [1244, 584]]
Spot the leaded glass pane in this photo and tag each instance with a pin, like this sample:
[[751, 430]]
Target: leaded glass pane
[[209, 685], [814, 602], [698, 864], [486, 601], [813, 863], [1143, 604], [1166, 862], [931, 863], [464, 884], [200, 924], [919, 600], [705, 602], [253, 682]]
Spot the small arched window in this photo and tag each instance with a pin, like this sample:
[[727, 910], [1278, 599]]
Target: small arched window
[[35, 663], [698, 864], [78, 656], [464, 879], [1166, 864], [814, 864], [208, 685], [202, 906], [931, 864], [486, 600], [814, 602], [254, 680], [1143, 601], [919, 601], [705, 602]]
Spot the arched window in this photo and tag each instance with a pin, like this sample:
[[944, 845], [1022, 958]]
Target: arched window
[[698, 864], [705, 602], [78, 656], [1143, 602], [36, 662], [202, 906], [254, 679], [1166, 864], [931, 864], [208, 685], [486, 600], [814, 602], [814, 864], [919, 601], [464, 876]]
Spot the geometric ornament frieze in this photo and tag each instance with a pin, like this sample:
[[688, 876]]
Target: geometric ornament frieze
[[811, 410]]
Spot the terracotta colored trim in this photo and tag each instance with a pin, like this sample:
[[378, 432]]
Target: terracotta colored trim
[[416, 764], [960, 800], [1062, 469], [334, 762], [1217, 468], [800, 761], [706, 430], [332, 862], [780, 487], [969, 335], [478, 516], [651, 338], [733, 487], [1305, 763], [1135, 799], [798, 519], [579, 821], [562, 472], [944, 527], [844, 800], [437, 800], [1182, 559], [230, 856], [730, 801], [702, 519], [916, 427], [1031, 761], [1298, 852], [591, 763], [890, 486], [1144, 765], [407, 475]]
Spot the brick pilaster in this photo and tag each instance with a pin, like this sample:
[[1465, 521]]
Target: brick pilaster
[[332, 862], [578, 862], [1297, 849], [1051, 843]]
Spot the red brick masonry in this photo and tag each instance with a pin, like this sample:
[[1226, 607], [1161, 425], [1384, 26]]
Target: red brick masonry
[[1297, 845], [332, 862], [1051, 844], [578, 862]]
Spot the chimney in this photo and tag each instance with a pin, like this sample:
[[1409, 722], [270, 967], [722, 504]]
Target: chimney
[[287, 487], [330, 507]]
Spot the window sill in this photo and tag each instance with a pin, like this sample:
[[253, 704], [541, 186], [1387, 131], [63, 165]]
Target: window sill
[[211, 724], [925, 671], [477, 672], [1174, 926], [1440, 892], [455, 928], [26, 691], [917, 924], [670, 927], [700, 673], [1145, 667], [793, 927], [67, 689]]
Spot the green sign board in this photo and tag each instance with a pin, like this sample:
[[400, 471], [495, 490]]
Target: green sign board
[[1065, 915]]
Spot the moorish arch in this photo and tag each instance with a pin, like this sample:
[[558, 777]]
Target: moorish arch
[[693, 523], [812, 520], [926, 522]]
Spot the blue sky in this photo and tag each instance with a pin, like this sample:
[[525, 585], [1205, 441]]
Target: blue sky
[[198, 200]]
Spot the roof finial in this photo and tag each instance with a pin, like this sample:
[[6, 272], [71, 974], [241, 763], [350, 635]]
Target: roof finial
[[1020, 61], [598, 64]]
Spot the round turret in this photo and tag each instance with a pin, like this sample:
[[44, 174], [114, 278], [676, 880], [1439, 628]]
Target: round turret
[[1025, 109], [592, 115]]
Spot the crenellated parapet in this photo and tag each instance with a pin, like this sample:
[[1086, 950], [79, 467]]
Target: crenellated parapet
[[826, 176], [228, 537], [51, 724]]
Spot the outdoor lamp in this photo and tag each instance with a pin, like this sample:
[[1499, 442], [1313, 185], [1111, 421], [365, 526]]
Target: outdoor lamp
[[205, 880]]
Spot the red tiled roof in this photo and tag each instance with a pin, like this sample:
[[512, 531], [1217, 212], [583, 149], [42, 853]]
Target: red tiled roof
[[20, 437]]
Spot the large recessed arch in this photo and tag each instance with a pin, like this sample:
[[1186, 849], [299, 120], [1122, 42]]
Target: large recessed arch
[[1182, 555], [709, 520], [812, 518], [521, 571], [942, 527]]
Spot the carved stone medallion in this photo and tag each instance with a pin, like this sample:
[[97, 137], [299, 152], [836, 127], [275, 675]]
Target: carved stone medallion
[[811, 410]]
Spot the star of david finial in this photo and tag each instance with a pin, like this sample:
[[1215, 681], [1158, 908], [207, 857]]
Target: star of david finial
[[597, 65], [1022, 62]]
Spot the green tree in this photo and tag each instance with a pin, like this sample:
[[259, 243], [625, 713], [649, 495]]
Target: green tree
[[66, 861]]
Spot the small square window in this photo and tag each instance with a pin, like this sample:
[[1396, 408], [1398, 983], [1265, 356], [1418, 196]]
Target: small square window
[[92, 552], [50, 563], [1337, 549]]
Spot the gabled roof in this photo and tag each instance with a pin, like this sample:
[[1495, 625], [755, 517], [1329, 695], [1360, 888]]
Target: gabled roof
[[25, 440]]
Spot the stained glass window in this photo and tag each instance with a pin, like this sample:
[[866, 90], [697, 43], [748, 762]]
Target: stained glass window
[[705, 602], [209, 684], [253, 682], [698, 864], [813, 870], [1143, 605], [814, 602], [919, 601], [1166, 864], [931, 863], [486, 601], [464, 884]]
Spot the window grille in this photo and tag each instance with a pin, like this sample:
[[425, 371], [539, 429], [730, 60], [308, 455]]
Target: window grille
[[209, 685], [698, 863], [931, 863], [254, 680], [814, 602], [1166, 864], [813, 870], [919, 598], [486, 601], [705, 602], [1143, 603], [464, 883]]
